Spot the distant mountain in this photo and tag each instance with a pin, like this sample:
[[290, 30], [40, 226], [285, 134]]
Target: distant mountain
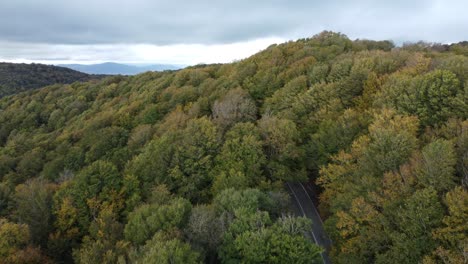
[[19, 77], [117, 68]]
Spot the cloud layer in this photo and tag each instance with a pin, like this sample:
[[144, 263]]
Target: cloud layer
[[182, 54], [28, 24]]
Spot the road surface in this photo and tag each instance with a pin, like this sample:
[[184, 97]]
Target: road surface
[[304, 206]]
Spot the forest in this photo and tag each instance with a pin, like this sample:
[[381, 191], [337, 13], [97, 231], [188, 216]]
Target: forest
[[20, 77], [189, 166]]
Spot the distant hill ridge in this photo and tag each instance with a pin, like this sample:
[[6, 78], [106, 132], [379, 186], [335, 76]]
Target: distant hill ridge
[[19, 77], [118, 68]]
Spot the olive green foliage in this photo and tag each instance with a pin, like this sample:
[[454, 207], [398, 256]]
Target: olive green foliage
[[241, 159], [14, 248], [33, 203], [189, 166], [148, 219], [433, 97], [163, 249], [105, 243]]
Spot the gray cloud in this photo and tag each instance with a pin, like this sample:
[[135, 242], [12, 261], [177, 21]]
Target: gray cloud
[[213, 22]]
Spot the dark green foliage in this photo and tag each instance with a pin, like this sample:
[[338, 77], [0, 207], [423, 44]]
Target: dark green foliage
[[33, 203], [15, 78]]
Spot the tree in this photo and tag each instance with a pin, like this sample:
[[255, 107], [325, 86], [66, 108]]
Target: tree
[[104, 243], [421, 213], [104, 143], [438, 170], [229, 200], [148, 219], [139, 136], [14, 245], [96, 184], [390, 143], [273, 246], [67, 232], [240, 161], [6, 197], [181, 160], [33, 202], [332, 136], [164, 249], [453, 233], [151, 166], [282, 98], [433, 97], [194, 159], [31, 163], [205, 229], [392, 138], [13, 237], [281, 139], [251, 239], [235, 106], [200, 156]]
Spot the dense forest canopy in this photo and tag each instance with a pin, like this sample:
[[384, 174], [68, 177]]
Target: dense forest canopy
[[189, 166], [15, 78]]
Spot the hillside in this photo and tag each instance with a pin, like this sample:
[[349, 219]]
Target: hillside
[[19, 77], [118, 68], [189, 166]]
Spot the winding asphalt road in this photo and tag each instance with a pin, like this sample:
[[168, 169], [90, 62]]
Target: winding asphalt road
[[304, 206]]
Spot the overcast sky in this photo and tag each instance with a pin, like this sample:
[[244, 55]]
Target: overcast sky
[[202, 31]]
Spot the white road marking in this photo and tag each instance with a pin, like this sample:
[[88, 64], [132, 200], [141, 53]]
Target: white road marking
[[312, 202], [302, 209]]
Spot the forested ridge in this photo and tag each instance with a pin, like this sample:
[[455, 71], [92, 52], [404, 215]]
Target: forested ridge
[[189, 166], [20, 77]]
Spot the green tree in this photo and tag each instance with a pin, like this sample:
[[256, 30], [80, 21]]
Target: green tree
[[392, 138], [14, 245], [105, 241], [229, 200], [421, 213], [281, 142], [240, 161], [12, 237], [183, 161], [148, 219], [281, 100], [251, 239], [194, 160], [433, 97], [453, 233], [33, 202], [438, 170], [151, 166], [163, 249], [97, 185], [273, 246]]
